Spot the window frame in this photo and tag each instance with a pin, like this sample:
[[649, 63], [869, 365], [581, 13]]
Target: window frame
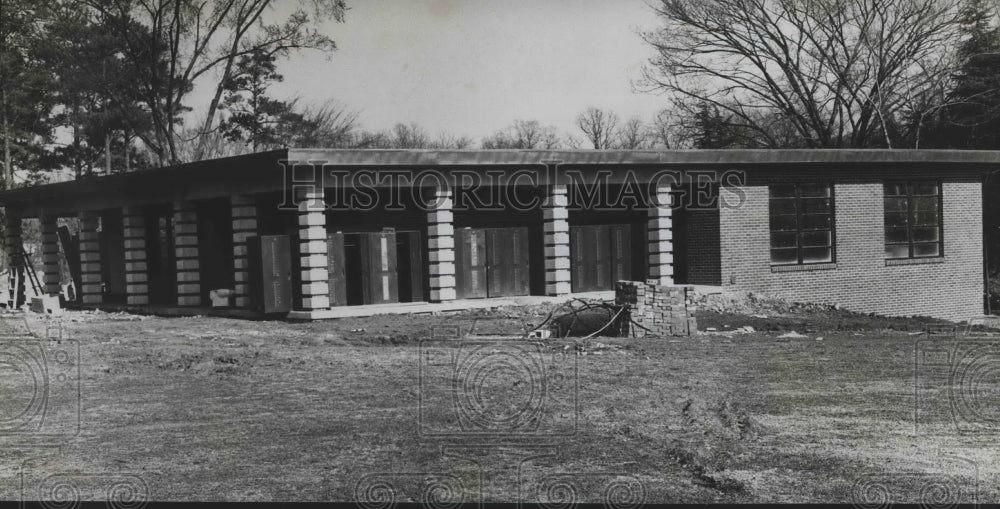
[[798, 224], [909, 185]]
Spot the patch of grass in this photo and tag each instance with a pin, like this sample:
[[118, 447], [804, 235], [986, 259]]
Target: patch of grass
[[238, 410]]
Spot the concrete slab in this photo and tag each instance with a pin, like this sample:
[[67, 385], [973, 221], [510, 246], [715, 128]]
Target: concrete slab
[[178, 311], [375, 309], [439, 307]]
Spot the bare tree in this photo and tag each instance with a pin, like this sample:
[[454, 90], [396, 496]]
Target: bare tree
[[523, 134], [403, 136], [214, 145], [451, 141], [599, 126], [371, 140], [184, 40], [668, 130], [633, 134], [573, 142], [330, 124], [409, 136], [840, 73]]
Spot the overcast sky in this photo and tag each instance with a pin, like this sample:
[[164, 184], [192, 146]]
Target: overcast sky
[[470, 67]]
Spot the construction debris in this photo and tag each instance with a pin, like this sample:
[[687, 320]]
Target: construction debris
[[655, 309], [791, 335], [46, 305]]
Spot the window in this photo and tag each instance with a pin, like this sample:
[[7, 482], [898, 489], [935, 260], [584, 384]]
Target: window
[[802, 229], [912, 219]]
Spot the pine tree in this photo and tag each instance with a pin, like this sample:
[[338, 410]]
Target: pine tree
[[973, 119], [254, 117], [25, 90]]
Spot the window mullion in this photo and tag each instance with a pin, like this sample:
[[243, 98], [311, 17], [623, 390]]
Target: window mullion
[[798, 222], [909, 217]]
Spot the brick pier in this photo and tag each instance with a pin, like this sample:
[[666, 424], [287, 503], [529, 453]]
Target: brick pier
[[657, 310]]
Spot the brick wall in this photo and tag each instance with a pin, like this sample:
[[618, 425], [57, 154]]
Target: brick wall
[[701, 237], [655, 309], [859, 280]]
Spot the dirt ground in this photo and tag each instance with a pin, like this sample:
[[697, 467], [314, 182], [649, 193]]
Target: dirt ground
[[772, 404]]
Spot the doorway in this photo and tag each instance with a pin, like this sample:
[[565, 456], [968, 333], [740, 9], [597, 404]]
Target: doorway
[[160, 262], [375, 267], [492, 262], [600, 255]]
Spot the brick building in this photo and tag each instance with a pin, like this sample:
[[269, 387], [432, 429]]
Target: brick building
[[312, 233]]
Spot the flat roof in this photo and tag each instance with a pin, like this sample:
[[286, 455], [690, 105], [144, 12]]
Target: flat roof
[[263, 171], [410, 157]]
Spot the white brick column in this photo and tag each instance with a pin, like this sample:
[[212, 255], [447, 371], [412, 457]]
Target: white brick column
[[441, 247], [90, 259], [557, 259], [244, 212], [136, 275], [660, 237], [50, 255], [186, 254], [13, 244], [313, 249]]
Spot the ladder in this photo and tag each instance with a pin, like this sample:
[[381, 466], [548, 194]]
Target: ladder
[[22, 273], [36, 285]]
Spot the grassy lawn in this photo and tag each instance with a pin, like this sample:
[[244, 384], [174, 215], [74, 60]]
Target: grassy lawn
[[209, 408]]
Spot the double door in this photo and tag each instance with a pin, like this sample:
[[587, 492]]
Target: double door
[[491, 262], [600, 256], [375, 267]]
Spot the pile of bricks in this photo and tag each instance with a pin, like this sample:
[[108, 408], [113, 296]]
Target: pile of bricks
[[655, 309]]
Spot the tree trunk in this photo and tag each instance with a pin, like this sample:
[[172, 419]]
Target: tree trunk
[[7, 172], [77, 163], [107, 153], [213, 107], [128, 151]]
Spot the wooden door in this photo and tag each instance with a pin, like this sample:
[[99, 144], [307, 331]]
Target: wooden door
[[336, 268], [507, 271], [378, 252], [621, 253], [414, 252], [590, 265], [578, 256], [600, 255], [270, 266], [470, 266]]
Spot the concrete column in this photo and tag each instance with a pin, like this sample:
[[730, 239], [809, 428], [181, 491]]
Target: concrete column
[[660, 237], [13, 245], [313, 249], [557, 259], [136, 275], [90, 259], [441, 247], [244, 209], [186, 254], [50, 255]]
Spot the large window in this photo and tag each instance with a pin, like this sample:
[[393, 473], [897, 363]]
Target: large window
[[802, 229], [913, 219]]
